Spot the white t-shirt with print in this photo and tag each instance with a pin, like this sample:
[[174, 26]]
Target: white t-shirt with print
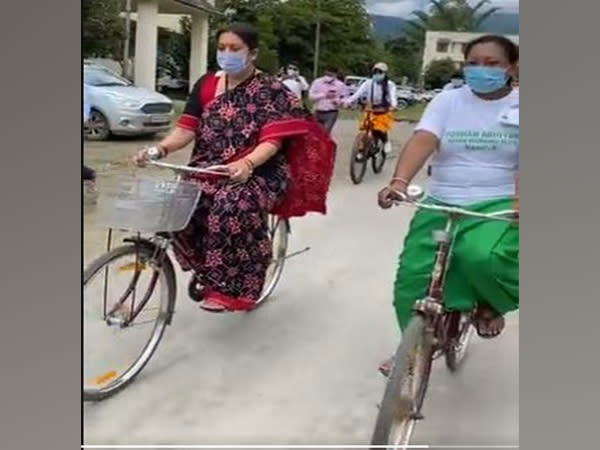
[[479, 146], [297, 86]]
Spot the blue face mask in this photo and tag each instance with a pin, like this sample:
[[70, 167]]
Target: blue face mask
[[483, 80], [378, 77], [232, 62]]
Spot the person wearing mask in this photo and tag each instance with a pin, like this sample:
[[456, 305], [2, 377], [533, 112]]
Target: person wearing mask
[[294, 81], [326, 93], [279, 161], [379, 92], [473, 135]]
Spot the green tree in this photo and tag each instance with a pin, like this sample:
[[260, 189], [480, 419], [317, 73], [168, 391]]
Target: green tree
[[103, 29], [450, 15], [439, 72], [287, 32], [347, 40], [441, 15]]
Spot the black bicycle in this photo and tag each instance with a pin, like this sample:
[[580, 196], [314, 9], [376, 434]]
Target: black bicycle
[[130, 291]]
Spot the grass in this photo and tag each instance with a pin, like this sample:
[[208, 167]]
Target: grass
[[411, 114]]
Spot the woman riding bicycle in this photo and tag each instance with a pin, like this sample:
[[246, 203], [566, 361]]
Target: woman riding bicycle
[[472, 133], [279, 159], [380, 94]]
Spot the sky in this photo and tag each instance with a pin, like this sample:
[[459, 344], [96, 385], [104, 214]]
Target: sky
[[403, 8]]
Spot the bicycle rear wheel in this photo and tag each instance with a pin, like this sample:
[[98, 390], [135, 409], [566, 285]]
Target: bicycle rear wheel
[[406, 386], [116, 345], [461, 331], [359, 157], [279, 230]]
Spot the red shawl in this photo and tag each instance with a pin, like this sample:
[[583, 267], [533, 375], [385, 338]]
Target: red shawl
[[310, 154]]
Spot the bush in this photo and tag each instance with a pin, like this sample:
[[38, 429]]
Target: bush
[[439, 72]]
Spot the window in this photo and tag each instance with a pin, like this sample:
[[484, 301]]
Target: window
[[442, 46]]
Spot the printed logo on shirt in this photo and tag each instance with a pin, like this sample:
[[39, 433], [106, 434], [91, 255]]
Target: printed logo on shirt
[[475, 140]]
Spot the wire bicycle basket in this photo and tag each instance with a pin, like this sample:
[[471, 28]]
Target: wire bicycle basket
[[148, 205]]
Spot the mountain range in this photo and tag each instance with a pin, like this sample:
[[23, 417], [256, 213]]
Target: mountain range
[[387, 27]]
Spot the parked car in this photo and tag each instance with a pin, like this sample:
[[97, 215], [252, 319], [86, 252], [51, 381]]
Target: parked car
[[169, 83], [353, 82], [406, 97], [118, 107]]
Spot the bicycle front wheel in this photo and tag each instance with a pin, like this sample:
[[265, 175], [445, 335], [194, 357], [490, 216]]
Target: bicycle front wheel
[[128, 301], [378, 158], [406, 387], [461, 331], [358, 158]]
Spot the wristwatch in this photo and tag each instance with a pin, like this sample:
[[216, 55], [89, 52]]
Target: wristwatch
[[154, 153]]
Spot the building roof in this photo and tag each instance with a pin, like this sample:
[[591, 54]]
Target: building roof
[[200, 4], [182, 6]]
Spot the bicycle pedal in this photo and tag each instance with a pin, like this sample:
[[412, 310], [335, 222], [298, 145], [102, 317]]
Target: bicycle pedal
[[417, 416]]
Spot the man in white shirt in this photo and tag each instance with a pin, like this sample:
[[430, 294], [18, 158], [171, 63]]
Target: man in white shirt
[[294, 81], [380, 93]]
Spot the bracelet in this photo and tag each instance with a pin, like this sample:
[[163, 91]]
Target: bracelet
[[250, 164], [403, 180]]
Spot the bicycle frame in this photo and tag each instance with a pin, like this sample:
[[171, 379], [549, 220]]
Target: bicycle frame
[[160, 243], [432, 306]]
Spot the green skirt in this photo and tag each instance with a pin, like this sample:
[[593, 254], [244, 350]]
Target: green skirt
[[484, 262]]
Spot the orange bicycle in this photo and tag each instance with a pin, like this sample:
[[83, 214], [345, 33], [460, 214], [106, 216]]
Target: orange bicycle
[[367, 146]]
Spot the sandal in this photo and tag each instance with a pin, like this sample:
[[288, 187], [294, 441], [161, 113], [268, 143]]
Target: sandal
[[216, 302], [488, 323]]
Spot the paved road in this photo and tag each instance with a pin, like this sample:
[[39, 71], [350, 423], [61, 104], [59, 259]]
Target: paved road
[[302, 370]]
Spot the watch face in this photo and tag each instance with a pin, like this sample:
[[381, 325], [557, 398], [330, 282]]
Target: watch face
[[153, 153]]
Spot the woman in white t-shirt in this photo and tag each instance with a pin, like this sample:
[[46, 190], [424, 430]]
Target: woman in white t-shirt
[[472, 135]]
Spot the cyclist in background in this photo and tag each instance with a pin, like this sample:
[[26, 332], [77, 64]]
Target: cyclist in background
[[380, 94], [472, 133]]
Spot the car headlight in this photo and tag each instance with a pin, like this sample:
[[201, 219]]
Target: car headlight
[[132, 104]]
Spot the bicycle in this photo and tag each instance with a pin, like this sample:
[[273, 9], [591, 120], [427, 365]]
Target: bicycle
[[153, 210], [433, 332], [367, 146]]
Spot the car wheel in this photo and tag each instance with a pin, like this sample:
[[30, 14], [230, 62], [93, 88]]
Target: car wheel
[[402, 104], [97, 128]]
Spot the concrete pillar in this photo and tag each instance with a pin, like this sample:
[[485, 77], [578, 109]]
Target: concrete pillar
[[146, 39], [198, 46]]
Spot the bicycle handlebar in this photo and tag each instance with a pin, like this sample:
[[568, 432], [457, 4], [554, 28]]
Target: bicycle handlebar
[[415, 193], [212, 170]]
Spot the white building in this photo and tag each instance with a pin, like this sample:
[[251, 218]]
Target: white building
[[450, 44], [149, 15]]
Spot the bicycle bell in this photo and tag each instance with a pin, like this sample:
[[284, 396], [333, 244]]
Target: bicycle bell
[[414, 192]]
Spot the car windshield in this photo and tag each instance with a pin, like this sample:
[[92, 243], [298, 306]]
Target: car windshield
[[99, 77]]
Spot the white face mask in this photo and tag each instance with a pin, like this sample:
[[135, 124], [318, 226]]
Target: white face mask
[[292, 72]]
